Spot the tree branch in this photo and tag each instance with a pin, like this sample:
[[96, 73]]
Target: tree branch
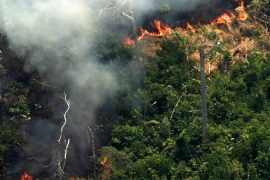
[[174, 109], [65, 117]]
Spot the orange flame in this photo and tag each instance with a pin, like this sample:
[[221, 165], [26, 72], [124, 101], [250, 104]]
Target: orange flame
[[107, 168], [164, 29], [225, 18], [129, 42], [104, 161], [26, 176], [190, 27], [243, 15]]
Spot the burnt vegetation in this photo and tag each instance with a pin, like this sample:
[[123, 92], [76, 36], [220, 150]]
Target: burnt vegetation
[[147, 125]]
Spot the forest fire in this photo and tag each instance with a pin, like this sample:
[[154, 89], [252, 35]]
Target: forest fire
[[192, 84], [163, 29], [26, 176]]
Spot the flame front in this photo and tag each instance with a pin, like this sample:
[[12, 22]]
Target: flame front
[[26, 176], [163, 29]]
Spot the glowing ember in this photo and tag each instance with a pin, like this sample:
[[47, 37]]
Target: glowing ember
[[26, 176]]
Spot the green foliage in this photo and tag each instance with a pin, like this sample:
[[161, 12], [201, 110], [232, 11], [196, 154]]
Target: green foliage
[[111, 51], [259, 6], [162, 130], [126, 136], [156, 166], [16, 107], [119, 162]]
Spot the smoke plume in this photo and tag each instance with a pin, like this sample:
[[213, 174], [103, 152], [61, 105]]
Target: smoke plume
[[56, 37]]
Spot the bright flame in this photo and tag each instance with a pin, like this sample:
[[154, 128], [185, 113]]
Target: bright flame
[[26, 176], [225, 18], [243, 15], [162, 29]]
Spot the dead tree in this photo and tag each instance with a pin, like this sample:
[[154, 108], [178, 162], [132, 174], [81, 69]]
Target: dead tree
[[65, 117], [203, 56], [62, 154], [203, 94]]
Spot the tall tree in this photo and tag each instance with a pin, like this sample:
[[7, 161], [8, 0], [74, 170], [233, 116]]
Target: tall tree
[[203, 93]]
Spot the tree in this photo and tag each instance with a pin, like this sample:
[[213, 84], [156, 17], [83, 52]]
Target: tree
[[203, 55], [203, 94]]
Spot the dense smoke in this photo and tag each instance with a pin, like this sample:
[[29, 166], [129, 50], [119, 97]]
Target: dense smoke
[[56, 37]]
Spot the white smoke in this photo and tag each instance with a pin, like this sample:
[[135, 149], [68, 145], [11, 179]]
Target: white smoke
[[144, 6], [56, 37]]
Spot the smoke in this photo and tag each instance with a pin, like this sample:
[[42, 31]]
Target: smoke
[[146, 6], [56, 37], [175, 12]]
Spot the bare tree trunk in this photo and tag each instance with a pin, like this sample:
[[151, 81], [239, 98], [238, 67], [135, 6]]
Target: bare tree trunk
[[61, 161], [203, 94]]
